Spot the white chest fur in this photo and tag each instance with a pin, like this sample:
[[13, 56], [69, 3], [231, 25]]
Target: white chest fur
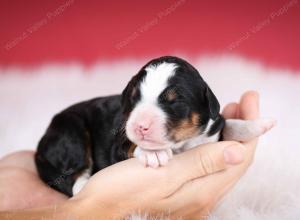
[[195, 141]]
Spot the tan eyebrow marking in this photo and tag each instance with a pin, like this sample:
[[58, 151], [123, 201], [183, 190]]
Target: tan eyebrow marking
[[171, 95], [134, 91]]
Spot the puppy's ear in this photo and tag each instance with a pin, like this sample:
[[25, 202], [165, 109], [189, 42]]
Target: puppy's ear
[[130, 95], [213, 103]]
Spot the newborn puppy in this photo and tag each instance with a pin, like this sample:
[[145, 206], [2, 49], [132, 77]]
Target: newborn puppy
[[171, 109], [166, 108]]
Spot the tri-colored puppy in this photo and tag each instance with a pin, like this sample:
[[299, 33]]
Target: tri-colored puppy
[[166, 108]]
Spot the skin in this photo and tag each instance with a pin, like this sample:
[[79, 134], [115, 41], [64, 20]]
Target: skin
[[190, 186]]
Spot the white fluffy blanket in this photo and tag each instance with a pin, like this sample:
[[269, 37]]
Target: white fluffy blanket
[[271, 187]]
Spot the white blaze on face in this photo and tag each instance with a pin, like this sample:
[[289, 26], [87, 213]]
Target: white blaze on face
[[146, 125]]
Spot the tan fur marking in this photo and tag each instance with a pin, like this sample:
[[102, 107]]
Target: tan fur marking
[[131, 150], [187, 128], [171, 95], [134, 91], [195, 118]]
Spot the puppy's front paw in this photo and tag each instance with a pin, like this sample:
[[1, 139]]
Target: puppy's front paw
[[153, 158]]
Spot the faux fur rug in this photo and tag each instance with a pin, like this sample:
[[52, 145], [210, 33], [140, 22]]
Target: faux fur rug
[[271, 187]]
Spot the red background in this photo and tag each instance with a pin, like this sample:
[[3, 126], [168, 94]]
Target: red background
[[90, 31]]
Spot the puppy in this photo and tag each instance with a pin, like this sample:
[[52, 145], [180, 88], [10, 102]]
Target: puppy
[[166, 108]]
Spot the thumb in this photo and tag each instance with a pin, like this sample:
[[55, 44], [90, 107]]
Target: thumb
[[205, 160]]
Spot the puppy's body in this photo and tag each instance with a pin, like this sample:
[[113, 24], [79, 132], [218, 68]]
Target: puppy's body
[[81, 140], [166, 108]]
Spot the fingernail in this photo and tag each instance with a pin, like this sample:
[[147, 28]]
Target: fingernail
[[234, 154]]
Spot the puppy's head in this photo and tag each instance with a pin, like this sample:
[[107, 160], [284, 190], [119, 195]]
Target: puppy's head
[[167, 102]]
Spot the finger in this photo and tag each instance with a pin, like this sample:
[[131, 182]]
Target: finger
[[195, 163], [249, 106], [196, 193], [22, 159], [230, 110], [211, 188], [219, 183], [203, 192], [202, 161], [249, 110]]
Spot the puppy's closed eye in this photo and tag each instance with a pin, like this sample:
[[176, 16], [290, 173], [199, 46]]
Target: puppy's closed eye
[[180, 109]]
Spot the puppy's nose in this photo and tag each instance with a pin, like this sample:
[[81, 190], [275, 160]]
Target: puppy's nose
[[142, 128]]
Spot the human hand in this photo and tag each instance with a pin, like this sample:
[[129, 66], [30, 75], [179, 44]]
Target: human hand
[[184, 188], [20, 185]]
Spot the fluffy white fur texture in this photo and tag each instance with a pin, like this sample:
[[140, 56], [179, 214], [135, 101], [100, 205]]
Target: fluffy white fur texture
[[271, 187]]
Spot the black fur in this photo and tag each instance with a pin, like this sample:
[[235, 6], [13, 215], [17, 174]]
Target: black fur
[[92, 133], [82, 131]]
